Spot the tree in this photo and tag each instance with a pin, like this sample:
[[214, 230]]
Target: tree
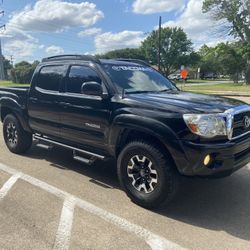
[[175, 48], [209, 63], [230, 59], [131, 53], [225, 59], [237, 15], [193, 59], [23, 71]]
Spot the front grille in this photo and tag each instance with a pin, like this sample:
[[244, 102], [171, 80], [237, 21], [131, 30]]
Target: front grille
[[239, 127]]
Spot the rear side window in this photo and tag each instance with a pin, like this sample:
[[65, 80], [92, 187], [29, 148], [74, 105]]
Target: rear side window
[[78, 75], [50, 77]]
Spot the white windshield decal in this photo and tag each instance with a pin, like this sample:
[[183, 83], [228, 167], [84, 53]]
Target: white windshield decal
[[131, 68]]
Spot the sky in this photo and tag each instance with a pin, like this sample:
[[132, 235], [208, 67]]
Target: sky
[[41, 28]]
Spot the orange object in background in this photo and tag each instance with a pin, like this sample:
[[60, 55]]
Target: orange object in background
[[184, 74]]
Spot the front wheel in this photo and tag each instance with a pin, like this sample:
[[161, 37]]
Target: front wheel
[[147, 175], [16, 138]]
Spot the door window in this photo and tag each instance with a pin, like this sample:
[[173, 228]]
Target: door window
[[78, 75], [50, 77]]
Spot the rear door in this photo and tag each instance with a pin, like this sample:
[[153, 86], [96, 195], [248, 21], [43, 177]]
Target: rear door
[[44, 100], [85, 118]]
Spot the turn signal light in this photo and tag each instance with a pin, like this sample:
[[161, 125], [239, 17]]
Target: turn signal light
[[207, 160]]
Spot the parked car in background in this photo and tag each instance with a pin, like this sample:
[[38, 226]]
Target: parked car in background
[[209, 75], [174, 77]]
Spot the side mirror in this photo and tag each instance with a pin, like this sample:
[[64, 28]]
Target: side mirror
[[92, 88]]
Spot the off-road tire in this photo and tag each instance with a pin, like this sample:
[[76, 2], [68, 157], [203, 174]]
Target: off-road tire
[[167, 175], [16, 138]]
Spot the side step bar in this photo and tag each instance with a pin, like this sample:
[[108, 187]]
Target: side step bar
[[79, 158], [43, 146], [82, 159]]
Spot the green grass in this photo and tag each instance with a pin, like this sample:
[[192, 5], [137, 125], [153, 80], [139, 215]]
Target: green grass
[[204, 81], [218, 87], [190, 81], [11, 84]]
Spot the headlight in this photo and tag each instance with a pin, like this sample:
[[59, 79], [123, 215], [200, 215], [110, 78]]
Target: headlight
[[207, 125]]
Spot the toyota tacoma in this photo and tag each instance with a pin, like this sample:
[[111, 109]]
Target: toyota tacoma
[[126, 110]]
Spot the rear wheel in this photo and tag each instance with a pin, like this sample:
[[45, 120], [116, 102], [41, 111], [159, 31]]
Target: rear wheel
[[147, 175], [16, 138]]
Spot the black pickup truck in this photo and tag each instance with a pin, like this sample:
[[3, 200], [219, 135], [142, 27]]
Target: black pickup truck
[[126, 110]]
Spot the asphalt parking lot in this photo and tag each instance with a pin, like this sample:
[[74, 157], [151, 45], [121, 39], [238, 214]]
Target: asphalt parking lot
[[49, 201]]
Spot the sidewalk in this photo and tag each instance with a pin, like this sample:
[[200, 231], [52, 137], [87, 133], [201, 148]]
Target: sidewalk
[[228, 93], [204, 83]]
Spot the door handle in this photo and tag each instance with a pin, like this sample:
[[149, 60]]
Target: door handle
[[64, 104], [33, 99]]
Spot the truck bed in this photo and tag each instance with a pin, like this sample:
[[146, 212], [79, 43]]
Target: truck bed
[[19, 94]]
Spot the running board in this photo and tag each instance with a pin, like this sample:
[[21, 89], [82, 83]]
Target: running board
[[40, 138]]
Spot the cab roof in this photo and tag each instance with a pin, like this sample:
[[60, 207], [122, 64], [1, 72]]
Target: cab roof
[[117, 61]]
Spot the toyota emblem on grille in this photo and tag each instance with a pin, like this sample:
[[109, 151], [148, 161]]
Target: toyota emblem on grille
[[246, 121]]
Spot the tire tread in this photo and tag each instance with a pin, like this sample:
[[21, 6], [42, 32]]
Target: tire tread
[[170, 172], [25, 138]]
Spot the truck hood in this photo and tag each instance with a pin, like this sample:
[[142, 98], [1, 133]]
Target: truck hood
[[185, 102]]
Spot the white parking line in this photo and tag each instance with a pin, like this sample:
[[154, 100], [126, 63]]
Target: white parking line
[[8, 185], [155, 242], [63, 235]]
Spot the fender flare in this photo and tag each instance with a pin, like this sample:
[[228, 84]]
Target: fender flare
[[152, 127], [17, 110]]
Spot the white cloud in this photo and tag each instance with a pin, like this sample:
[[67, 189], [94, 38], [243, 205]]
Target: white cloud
[[44, 16], [156, 6], [55, 15], [111, 41], [20, 49], [54, 50], [89, 53], [89, 32], [199, 26], [18, 43]]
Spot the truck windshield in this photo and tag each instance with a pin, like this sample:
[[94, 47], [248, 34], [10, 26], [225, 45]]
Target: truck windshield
[[137, 79]]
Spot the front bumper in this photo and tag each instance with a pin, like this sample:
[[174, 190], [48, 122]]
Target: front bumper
[[226, 157]]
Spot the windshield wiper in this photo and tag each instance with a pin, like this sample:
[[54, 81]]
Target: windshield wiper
[[139, 91], [146, 91], [166, 90]]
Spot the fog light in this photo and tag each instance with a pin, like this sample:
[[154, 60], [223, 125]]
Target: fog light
[[207, 160]]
